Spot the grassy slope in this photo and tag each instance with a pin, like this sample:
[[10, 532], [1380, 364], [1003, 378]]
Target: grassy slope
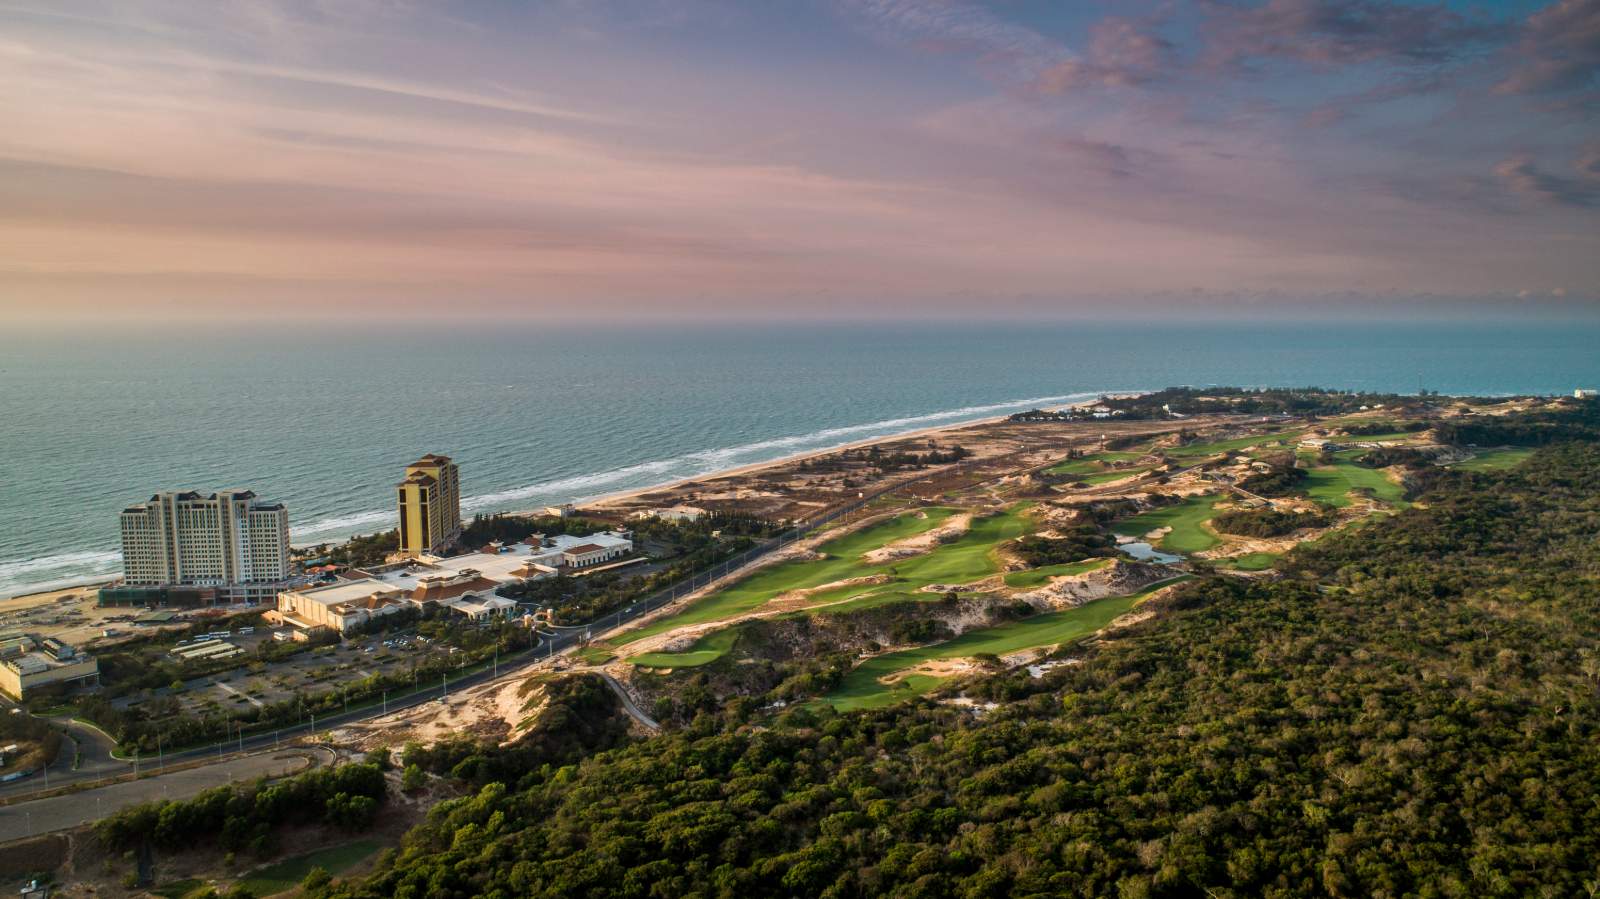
[[1109, 476], [1331, 484], [843, 561], [287, 874], [1221, 446], [1036, 577], [1495, 460], [1091, 463], [863, 688], [597, 654], [967, 559], [1185, 519], [707, 649], [1377, 438], [1250, 561]]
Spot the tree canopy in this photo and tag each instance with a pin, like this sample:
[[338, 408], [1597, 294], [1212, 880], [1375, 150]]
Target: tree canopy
[[1411, 710]]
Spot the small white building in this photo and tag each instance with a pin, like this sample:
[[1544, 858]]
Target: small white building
[[1585, 393], [673, 513], [586, 555], [483, 609]]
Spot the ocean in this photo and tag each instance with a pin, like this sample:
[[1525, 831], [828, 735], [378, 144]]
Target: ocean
[[325, 417]]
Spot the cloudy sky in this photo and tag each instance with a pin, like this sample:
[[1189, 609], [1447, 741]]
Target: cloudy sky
[[570, 158]]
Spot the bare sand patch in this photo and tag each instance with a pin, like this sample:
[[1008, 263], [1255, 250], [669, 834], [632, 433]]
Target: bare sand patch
[[940, 668], [802, 598], [921, 544], [1119, 578], [987, 585], [497, 709]]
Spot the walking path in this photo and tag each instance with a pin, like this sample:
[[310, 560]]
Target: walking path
[[628, 705]]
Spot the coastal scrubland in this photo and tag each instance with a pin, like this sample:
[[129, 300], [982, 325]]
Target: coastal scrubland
[[967, 690], [1408, 707]]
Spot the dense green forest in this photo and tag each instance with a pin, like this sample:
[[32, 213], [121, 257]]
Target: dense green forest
[[1267, 522], [1412, 710], [247, 816]]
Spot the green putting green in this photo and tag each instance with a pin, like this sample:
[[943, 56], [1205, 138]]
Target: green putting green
[[1186, 519], [1495, 459], [864, 688], [1250, 562], [1331, 484], [707, 649]]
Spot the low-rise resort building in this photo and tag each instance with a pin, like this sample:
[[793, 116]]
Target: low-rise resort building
[[465, 584], [28, 663], [672, 513]]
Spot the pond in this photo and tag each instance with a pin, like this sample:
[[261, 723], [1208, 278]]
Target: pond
[[1144, 552]]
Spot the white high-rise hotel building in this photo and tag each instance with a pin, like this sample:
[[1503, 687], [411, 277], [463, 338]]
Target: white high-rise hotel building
[[228, 539]]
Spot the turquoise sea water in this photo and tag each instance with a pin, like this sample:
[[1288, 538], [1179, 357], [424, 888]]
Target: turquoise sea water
[[325, 419]]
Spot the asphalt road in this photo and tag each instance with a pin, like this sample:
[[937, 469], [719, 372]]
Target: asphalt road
[[253, 754], [25, 819]]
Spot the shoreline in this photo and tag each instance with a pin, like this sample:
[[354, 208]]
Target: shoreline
[[97, 581], [753, 467]]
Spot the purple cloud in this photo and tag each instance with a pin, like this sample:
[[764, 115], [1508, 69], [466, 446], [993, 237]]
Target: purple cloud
[[1341, 32], [1559, 50], [1122, 52], [1522, 175]]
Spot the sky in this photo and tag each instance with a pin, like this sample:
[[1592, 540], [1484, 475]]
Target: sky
[[665, 159]]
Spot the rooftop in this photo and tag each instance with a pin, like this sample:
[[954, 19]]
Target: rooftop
[[358, 591]]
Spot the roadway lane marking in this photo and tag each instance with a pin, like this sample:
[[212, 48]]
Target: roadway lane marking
[[250, 699]]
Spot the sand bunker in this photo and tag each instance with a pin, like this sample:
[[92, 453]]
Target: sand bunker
[[921, 544], [1120, 578]]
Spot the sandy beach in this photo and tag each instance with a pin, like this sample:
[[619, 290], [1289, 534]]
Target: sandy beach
[[621, 499]]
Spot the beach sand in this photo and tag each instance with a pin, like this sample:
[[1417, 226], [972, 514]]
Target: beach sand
[[621, 502]]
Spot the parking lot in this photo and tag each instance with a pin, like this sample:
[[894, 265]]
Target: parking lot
[[316, 670]]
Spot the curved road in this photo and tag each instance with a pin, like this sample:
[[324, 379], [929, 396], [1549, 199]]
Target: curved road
[[628, 705], [254, 754]]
